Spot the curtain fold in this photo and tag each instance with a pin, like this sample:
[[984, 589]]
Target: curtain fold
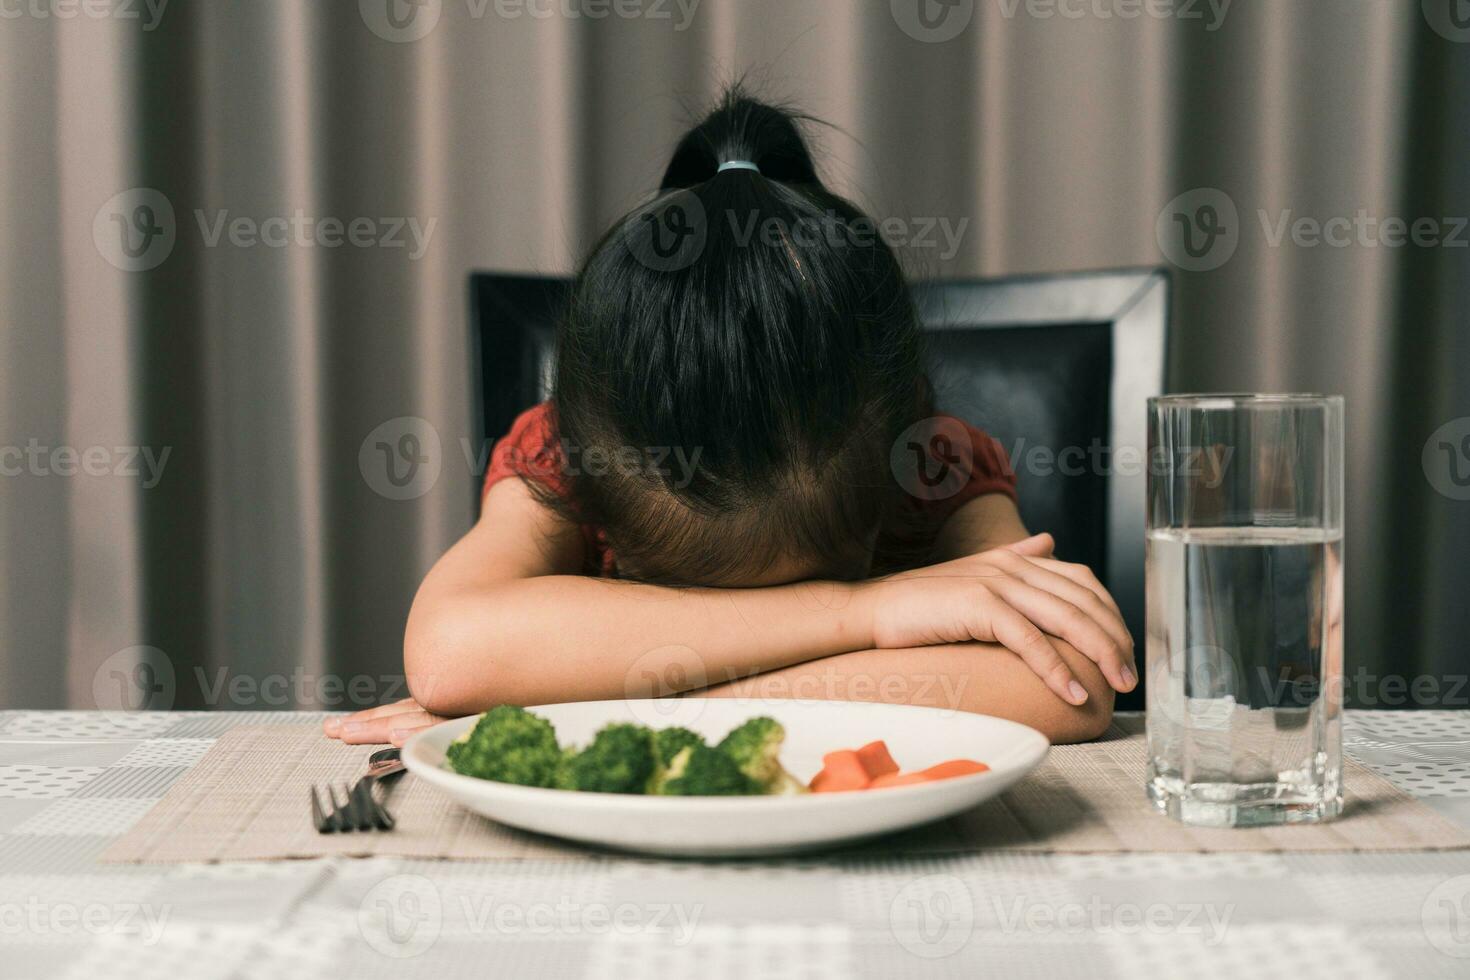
[[281, 372]]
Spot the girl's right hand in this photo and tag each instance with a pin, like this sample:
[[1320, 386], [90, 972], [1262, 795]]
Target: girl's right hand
[[1016, 596]]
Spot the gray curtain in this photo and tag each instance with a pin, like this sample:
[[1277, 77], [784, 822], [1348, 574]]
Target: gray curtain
[[263, 558]]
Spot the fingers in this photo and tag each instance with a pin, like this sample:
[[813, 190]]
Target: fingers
[[1077, 585], [1083, 576], [402, 729], [1082, 627], [1081, 589], [388, 728], [1036, 546], [1040, 554], [369, 732], [337, 725], [1010, 628]]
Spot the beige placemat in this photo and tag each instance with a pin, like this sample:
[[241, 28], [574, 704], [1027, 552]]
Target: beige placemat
[[247, 800]]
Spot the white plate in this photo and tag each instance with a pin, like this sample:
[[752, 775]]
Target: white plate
[[712, 825]]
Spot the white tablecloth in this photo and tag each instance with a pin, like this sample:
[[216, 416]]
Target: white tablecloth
[[71, 781]]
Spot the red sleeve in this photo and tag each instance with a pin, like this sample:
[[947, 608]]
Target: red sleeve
[[990, 468], [975, 464], [530, 450]]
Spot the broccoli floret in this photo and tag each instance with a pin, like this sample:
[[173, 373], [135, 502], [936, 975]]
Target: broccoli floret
[[699, 770], [756, 748], [509, 745], [621, 759], [563, 778], [670, 741]]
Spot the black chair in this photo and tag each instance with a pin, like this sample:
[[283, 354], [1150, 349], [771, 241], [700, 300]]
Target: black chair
[[1057, 368]]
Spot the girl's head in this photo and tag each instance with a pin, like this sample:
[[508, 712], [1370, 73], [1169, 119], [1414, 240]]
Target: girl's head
[[739, 355]]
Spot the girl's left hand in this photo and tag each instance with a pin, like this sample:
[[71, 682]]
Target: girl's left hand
[[387, 723], [1014, 596]]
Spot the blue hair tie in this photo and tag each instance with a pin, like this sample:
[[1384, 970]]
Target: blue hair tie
[[737, 165]]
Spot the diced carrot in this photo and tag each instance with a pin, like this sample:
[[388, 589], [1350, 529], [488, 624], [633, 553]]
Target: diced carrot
[[944, 770], [955, 767], [841, 770], [876, 760]]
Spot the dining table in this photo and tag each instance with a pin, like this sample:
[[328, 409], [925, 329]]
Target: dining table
[[71, 782]]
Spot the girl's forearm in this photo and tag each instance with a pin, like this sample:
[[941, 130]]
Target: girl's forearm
[[572, 638], [977, 677]]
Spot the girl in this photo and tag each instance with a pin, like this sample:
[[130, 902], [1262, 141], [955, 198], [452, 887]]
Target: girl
[[716, 501]]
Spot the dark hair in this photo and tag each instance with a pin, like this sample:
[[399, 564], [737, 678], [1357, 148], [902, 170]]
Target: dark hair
[[777, 340]]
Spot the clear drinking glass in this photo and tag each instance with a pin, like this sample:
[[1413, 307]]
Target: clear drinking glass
[[1245, 617]]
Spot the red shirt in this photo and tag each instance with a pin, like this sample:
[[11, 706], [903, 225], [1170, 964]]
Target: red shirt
[[943, 462]]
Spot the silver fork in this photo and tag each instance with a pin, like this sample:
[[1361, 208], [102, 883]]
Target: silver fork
[[357, 810]]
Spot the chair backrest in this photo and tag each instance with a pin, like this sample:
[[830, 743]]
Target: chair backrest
[[1056, 367]]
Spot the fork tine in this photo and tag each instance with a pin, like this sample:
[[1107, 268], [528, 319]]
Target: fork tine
[[367, 807], [381, 816], [362, 807], [323, 825], [339, 815], [350, 818], [385, 819], [356, 812]]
